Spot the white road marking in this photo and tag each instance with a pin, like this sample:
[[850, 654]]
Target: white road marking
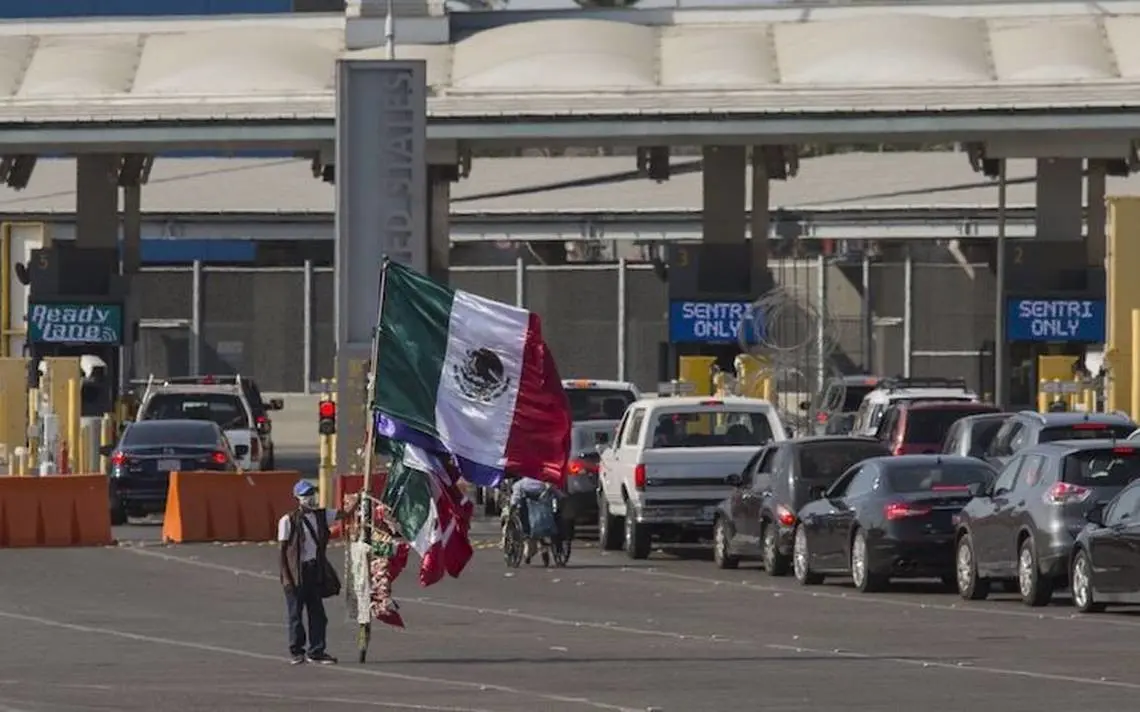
[[206, 647], [366, 703]]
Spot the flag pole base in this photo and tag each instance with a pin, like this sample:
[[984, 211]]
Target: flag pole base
[[363, 638]]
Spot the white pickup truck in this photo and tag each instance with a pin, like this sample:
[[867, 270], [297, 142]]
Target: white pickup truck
[[672, 461]]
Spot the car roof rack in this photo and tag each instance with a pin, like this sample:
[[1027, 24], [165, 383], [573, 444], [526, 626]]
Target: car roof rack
[[205, 380], [898, 383]]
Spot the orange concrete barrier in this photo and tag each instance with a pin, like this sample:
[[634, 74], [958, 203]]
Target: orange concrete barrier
[[227, 506], [57, 510]]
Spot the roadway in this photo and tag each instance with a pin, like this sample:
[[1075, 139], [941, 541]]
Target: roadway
[[144, 626]]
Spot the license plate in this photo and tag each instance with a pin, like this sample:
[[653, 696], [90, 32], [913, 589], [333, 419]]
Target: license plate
[[169, 465]]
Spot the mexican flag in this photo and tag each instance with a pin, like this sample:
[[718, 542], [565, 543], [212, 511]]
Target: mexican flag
[[461, 374], [432, 512]]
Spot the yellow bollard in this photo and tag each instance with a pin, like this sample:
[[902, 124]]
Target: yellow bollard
[[106, 439], [72, 424], [1135, 377], [325, 471], [22, 461], [33, 422], [1042, 397]]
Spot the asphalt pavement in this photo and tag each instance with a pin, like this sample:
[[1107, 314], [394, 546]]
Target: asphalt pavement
[[143, 626]]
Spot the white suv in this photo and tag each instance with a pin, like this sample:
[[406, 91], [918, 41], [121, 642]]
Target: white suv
[[906, 390]]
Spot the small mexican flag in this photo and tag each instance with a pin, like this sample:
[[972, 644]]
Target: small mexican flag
[[461, 374], [432, 512]]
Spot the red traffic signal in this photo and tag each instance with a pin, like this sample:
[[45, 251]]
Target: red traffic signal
[[327, 412]]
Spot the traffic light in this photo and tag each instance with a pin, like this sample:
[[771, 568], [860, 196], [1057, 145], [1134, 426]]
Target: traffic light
[[327, 413]]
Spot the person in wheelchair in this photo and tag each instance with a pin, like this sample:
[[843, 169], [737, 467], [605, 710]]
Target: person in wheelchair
[[528, 493]]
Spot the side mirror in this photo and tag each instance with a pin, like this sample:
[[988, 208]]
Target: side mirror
[[241, 450], [275, 404], [977, 489], [805, 405], [1095, 515], [106, 450], [734, 480]]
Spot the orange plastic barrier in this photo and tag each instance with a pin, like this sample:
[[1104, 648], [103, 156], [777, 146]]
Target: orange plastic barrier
[[227, 506], [56, 510]]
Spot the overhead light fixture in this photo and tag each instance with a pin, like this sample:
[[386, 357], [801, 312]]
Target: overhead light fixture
[[134, 169], [17, 170]]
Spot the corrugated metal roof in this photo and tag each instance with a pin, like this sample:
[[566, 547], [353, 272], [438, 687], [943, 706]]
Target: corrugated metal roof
[[270, 186], [843, 60]]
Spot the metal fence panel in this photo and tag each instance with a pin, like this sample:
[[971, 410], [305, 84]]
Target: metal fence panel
[[579, 318], [163, 294], [323, 346], [647, 327]]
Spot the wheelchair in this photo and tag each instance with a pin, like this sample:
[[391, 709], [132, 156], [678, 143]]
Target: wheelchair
[[516, 542]]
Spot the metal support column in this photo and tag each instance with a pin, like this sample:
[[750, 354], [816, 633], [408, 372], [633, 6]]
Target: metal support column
[[999, 294], [821, 324], [868, 316], [520, 283], [908, 312], [307, 354], [196, 320], [622, 331]]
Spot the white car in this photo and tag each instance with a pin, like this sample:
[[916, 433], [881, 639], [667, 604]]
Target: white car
[[223, 404], [672, 461], [593, 399], [891, 391]]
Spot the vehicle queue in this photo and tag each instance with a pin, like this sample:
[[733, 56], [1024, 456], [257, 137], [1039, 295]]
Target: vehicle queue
[[916, 478]]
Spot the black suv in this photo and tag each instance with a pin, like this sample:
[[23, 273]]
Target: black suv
[[759, 519], [1028, 428], [832, 411], [1021, 528]]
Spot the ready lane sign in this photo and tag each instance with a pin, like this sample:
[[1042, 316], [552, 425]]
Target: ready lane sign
[[1056, 320], [712, 322], [75, 323]]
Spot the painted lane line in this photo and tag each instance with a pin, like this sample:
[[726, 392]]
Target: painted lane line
[[209, 648]]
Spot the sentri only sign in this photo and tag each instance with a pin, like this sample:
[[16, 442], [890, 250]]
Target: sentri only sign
[[75, 323], [1057, 320]]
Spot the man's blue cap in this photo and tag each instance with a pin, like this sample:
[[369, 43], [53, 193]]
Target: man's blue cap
[[303, 488]]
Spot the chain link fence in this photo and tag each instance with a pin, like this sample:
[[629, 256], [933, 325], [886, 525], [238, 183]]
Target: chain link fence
[[601, 320]]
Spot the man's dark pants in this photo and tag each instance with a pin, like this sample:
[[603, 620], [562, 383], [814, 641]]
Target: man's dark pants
[[306, 598]]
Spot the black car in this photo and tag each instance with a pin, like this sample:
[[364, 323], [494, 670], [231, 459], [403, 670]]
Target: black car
[[1028, 428], [832, 411], [586, 441], [1105, 566], [149, 450], [971, 436], [1021, 529], [760, 516], [887, 517]]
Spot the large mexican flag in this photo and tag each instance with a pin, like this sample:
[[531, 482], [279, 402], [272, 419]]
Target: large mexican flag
[[466, 375]]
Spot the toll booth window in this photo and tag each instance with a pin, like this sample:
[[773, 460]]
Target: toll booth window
[[225, 410], [711, 429]]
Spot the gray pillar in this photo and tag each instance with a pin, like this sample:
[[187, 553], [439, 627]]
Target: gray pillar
[[724, 200], [1060, 198], [439, 224], [132, 229], [97, 201], [760, 223], [1096, 233]]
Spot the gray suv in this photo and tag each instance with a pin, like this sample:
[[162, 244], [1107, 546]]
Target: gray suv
[[1020, 530], [1028, 428]]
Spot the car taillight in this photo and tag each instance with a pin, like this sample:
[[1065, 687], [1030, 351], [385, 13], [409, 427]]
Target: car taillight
[[576, 468], [904, 510], [219, 458], [821, 418], [639, 477], [1090, 426], [1066, 493], [118, 458], [785, 516]]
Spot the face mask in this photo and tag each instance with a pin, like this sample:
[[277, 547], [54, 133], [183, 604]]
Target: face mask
[[309, 501]]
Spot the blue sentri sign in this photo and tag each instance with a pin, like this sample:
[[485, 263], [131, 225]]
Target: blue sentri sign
[[693, 322], [1056, 320]]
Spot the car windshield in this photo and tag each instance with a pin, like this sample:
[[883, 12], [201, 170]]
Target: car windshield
[[724, 428], [853, 396], [823, 462], [222, 408], [598, 403], [1085, 431], [930, 425], [1110, 467], [983, 432], [156, 432], [586, 439], [937, 477]]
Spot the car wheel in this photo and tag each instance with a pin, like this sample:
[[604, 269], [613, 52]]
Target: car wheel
[[637, 539], [609, 527], [801, 560], [722, 549], [1036, 590], [970, 586], [1082, 587], [775, 563], [866, 580]]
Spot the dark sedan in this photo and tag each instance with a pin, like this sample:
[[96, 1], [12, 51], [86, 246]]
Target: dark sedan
[[887, 517], [149, 450], [1105, 566]]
